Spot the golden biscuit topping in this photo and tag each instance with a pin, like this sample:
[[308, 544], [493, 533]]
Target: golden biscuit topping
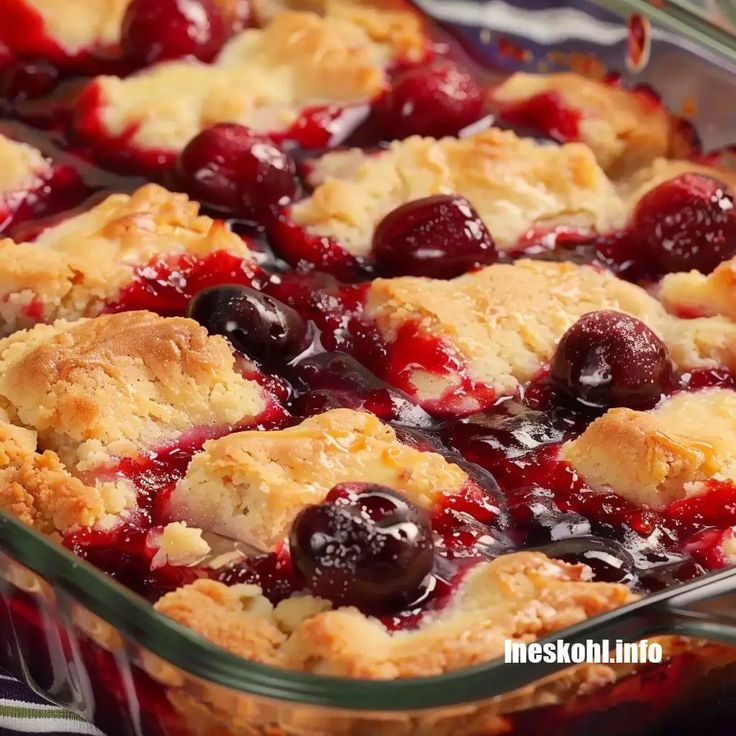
[[515, 184], [522, 596], [73, 269], [263, 78], [655, 457], [22, 167], [505, 320], [251, 485], [391, 22], [40, 492], [624, 129], [77, 25], [695, 294], [108, 387]]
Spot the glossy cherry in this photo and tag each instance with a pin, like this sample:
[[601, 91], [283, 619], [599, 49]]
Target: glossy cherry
[[28, 79], [157, 30], [256, 324], [231, 169], [685, 223], [608, 358], [366, 545], [436, 100], [440, 236]]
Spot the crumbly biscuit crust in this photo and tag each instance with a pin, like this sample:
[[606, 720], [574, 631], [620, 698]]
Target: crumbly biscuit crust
[[251, 485], [107, 387], [74, 268], [662, 454], [505, 320]]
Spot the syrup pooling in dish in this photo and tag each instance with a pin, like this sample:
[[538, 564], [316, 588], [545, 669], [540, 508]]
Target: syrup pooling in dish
[[387, 425]]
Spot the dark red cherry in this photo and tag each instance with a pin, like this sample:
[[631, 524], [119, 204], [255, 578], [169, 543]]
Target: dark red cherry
[[440, 236], [256, 324], [230, 168], [366, 545], [28, 79], [685, 223], [611, 359], [156, 30], [436, 101]]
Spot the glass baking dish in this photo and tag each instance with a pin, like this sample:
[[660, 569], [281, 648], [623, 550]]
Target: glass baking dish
[[89, 644]]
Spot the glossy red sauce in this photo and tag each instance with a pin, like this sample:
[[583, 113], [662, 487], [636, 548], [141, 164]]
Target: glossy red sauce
[[546, 113], [167, 284]]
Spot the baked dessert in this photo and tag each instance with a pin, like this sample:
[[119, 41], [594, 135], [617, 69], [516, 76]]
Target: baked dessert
[[351, 411], [119, 254], [301, 76]]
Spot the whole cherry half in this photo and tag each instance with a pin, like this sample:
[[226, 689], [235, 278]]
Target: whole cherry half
[[437, 100], [440, 236], [157, 30], [230, 168], [256, 324], [609, 358], [367, 545], [685, 223]]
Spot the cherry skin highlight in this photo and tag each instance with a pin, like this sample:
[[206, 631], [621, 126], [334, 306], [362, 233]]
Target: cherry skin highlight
[[158, 30], [231, 169], [366, 545], [256, 324], [440, 236], [608, 358], [436, 101], [685, 223]]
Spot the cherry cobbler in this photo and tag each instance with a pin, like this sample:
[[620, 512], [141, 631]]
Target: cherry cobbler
[[352, 358]]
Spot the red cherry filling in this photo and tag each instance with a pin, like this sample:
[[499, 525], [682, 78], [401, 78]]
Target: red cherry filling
[[440, 237], [167, 284], [611, 359], [231, 169], [367, 546], [547, 114], [256, 324], [686, 223], [155, 30], [435, 101]]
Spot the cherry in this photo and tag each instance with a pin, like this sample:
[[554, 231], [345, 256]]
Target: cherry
[[440, 236], [256, 324], [535, 511], [366, 545], [610, 560], [28, 80], [688, 222], [611, 359], [156, 30], [436, 101], [231, 169]]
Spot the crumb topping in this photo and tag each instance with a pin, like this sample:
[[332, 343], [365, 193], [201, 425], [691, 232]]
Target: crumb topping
[[695, 294], [74, 268], [263, 78], [107, 387], [250, 485], [660, 454], [40, 492], [391, 22], [505, 320], [22, 167], [625, 129], [81, 24], [521, 596], [515, 184]]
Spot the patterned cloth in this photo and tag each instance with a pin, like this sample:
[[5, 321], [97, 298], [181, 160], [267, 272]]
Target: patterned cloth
[[22, 711]]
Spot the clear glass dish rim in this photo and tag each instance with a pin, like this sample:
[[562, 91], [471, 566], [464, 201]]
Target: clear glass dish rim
[[140, 623]]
